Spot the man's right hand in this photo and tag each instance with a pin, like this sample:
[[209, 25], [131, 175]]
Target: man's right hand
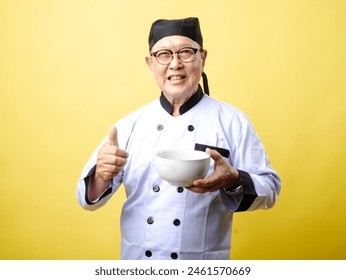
[[110, 161]]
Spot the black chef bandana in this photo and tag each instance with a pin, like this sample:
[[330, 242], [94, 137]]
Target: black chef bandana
[[188, 27]]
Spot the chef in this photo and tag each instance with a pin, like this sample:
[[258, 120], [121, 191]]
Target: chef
[[160, 221]]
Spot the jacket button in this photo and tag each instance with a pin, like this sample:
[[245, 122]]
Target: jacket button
[[180, 189], [159, 127], [176, 222], [148, 253], [190, 128], [150, 220], [156, 188], [174, 256]]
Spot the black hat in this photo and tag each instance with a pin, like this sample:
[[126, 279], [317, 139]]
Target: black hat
[[188, 27]]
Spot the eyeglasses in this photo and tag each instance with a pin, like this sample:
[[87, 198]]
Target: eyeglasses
[[165, 57]]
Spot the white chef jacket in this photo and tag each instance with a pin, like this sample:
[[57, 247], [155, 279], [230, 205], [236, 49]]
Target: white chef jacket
[[161, 221]]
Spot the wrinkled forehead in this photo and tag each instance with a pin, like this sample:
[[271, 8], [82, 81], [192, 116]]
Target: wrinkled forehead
[[174, 42]]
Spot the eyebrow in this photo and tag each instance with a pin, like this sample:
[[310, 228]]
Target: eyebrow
[[181, 47]]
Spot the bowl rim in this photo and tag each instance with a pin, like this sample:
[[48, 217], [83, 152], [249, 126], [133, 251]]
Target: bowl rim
[[160, 154]]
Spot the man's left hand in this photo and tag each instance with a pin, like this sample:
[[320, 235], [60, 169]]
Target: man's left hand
[[224, 175]]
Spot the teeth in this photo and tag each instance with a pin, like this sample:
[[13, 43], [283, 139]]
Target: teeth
[[176, 77]]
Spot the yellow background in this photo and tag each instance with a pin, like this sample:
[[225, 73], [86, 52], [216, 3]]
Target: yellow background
[[71, 68]]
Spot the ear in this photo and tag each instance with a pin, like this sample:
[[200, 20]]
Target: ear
[[204, 56], [149, 62]]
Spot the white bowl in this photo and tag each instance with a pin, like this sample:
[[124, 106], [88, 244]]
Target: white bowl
[[181, 167]]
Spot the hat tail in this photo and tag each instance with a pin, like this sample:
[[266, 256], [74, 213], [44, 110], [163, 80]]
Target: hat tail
[[205, 83]]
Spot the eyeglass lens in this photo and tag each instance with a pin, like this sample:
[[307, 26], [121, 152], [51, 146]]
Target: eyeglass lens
[[166, 56]]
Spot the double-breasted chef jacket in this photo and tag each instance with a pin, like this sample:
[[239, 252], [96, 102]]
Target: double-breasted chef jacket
[[161, 221]]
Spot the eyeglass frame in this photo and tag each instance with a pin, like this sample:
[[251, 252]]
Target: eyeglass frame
[[195, 50]]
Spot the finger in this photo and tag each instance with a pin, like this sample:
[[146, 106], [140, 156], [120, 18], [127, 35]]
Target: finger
[[113, 136], [110, 149], [196, 189], [121, 153], [200, 189], [108, 171], [111, 159], [112, 169], [213, 154], [116, 160], [206, 182]]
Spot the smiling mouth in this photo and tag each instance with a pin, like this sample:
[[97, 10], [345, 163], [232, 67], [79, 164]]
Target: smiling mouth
[[176, 77]]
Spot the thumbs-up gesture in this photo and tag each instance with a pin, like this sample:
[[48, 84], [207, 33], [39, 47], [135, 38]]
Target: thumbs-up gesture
[[111, 159]]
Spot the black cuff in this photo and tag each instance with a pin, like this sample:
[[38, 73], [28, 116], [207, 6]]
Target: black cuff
[[249, 192], [87, 183]]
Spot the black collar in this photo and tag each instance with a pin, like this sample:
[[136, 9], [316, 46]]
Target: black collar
[[189, 104]]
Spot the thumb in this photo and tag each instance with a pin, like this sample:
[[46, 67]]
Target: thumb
[[213, 154], [113, 136]]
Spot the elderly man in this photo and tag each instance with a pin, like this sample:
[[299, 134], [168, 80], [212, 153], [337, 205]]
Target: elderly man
[[158, 220]]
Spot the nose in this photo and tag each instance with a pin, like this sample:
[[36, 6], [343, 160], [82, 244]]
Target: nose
[[175, 62]]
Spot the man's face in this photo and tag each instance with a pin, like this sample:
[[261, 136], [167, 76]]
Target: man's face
[[177, 80]]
